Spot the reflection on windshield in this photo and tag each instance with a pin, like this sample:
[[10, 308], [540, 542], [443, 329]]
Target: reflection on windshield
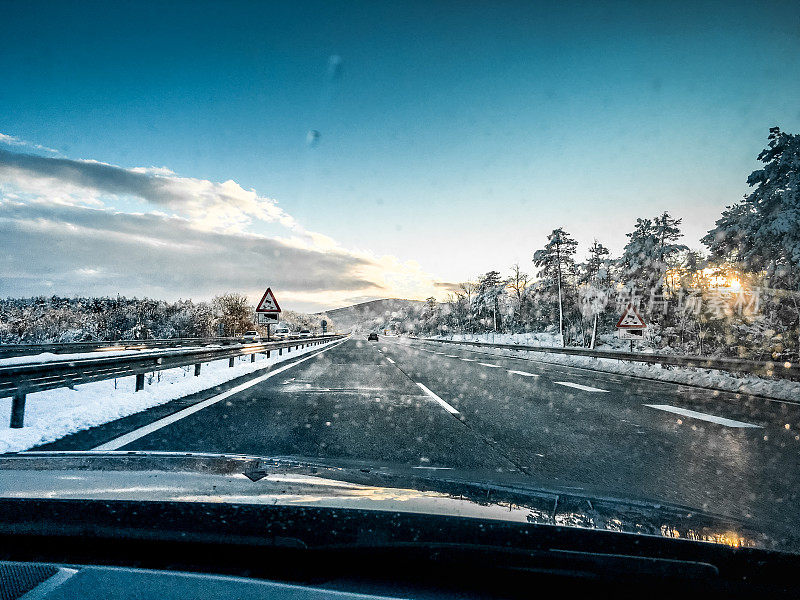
[[288, 484]]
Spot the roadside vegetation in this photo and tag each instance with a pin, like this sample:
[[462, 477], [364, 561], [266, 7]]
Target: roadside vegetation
[[59, 319], [737, 296]]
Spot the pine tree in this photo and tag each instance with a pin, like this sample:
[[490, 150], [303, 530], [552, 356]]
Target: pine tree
[[490, 287], [596, 268], [762, 232], [638, 253], [554, 260], [651, 247], [595, 273], [667, 232]]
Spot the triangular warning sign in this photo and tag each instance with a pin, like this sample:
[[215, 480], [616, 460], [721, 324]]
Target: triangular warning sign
[[268, 303], [631, 319]]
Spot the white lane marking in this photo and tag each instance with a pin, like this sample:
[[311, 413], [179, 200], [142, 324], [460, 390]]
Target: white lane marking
[[490, 365], [444, 404], [468, 359], [703, 416], [390, 360], [525, 373], [435, 468], [451, 356], [585, 388], [134, 435]]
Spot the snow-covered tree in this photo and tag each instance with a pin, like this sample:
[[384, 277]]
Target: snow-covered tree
[[234, 312], [596, 268], [554, 261], [517, 283], [594, 274], [762, 232], [490, 288], [466, 291], [651, 249]]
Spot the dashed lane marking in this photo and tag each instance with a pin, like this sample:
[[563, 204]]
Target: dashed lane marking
[[524, 373], [444, 404], [578, 386], [693, 414], [390, 360], [490, 365], [435, 468]]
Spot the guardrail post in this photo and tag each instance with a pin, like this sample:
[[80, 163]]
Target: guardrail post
[[17, 410], [230, 361], [197, 369], [139, 382]]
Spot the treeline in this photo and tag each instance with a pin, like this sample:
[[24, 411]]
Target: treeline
[[737, 297], [59, 319]]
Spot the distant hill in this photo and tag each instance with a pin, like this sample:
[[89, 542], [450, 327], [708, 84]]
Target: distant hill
[[367, 316]]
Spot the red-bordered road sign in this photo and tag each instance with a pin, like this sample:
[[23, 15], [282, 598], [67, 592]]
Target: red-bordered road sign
[[268, 303], [631, 319]]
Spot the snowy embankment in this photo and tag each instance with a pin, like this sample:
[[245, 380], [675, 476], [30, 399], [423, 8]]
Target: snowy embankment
[[781, 389], [52, 414]]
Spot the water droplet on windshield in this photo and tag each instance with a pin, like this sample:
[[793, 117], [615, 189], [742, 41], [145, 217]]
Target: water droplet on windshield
[[312, 138], [334, 66]]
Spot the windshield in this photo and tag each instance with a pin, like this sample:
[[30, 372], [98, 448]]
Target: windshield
[[555, 247]]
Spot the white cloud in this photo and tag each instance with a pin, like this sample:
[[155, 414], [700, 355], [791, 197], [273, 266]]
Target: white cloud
[[11, 140], [213, 206], [93, 251], [55, 226]]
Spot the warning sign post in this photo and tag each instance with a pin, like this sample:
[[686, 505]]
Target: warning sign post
[[631, 326], [268, 310]]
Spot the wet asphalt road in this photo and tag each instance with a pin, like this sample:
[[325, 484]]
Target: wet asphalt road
[[557, 426]]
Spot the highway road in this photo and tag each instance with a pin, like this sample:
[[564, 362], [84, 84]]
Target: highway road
[[441, 406]]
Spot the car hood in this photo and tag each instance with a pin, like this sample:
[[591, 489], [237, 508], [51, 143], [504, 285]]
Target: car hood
[[287, 481]]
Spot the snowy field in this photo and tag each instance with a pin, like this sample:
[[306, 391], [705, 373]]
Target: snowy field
[[708, 378], [52, 414]]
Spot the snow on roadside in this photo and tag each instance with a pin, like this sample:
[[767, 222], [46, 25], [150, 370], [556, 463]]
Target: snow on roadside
[[781, 389], [46, 357], [52, 414], [525, 339]]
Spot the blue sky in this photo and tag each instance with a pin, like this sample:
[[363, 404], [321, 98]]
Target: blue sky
[[451, 134]]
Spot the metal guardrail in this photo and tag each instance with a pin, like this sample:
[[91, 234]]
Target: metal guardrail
[[9, 350], [21, 379], [786, 370]]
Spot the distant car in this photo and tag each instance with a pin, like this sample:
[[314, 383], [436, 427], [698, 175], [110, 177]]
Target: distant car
[[251, 336], [305, 333], [372, 337], [282, 333]]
